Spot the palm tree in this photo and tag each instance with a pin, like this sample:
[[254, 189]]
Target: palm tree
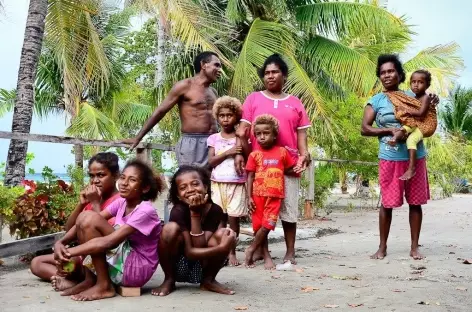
[[33, 41], [457, 114], [78, 64]]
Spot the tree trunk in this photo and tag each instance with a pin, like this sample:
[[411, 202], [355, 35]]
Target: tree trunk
[[23, 112], [160, 55], [79, 156]]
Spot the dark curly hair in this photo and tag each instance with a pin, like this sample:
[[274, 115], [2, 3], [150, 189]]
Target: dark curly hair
[[148, 178], [109, 160], [204, 176], [204, 57], [427, 75], [277, 60], [391, 58]]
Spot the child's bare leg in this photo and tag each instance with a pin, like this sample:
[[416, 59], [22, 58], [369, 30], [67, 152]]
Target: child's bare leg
[[63, 282], [44, 267], [91, 225], [212, 266], [268, 262], [234, 225], [170, 242], [261, 235], [410, 172]]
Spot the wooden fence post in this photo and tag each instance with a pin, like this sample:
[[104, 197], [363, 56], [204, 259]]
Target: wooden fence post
[[310, 196]]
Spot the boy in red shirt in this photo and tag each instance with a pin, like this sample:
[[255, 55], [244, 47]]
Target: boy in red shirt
[[265, 185]]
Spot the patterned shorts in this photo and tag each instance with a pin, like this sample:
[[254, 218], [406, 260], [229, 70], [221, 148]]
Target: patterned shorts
[[289, 209], [392, 189], [188, 271], [116, 259]]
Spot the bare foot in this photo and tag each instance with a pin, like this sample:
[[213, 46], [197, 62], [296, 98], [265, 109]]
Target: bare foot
[[380, 254], [269, 263], [249, 262], [415, 254], [290, 257], [80, 287], [96, 292], [166, 288], [59, 283], [258, 255], [233, 261], [216, 287], [410, 173]]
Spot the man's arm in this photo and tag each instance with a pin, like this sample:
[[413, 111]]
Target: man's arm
[[171, 99]]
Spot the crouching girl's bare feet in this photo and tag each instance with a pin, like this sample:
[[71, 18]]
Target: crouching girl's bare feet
[[60, 283], [166, 288], [96, 292], [214, 286]]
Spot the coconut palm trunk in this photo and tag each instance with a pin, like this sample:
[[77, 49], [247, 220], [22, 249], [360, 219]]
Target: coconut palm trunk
[[23, 111], [160, 55]]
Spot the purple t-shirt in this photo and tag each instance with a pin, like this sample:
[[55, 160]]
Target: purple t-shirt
[[143, 259]]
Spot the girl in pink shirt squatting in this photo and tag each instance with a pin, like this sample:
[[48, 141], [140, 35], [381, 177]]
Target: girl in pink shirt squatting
[[125, 254], [228, 189]]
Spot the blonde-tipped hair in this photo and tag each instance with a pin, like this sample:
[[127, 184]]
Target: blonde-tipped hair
[[267, 119], [229, 102]]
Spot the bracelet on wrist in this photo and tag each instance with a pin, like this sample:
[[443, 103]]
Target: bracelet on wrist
[[195, 235]]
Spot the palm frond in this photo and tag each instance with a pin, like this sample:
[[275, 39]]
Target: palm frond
[[264, 38], [442, 61], [7, 101], [457, 114], [75, 42], [200, 28], [299, 84], [91, 123], [350, 69], [336, 18]]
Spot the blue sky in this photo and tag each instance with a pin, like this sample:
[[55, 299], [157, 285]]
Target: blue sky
[[436, 22]]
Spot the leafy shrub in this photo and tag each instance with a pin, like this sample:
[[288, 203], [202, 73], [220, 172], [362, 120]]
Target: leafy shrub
[[43, 208]]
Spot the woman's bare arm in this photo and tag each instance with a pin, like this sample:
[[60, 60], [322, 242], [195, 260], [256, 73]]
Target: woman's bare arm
[[367, 122]]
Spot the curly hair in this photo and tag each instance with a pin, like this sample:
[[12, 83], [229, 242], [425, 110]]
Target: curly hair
[[148, 179], [109, 160], [204, 177], [229, 102], [267, 119], [391, 58], [427, 75], [277, 60]]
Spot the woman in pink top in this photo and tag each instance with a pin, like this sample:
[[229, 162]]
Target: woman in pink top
[[293, 124]]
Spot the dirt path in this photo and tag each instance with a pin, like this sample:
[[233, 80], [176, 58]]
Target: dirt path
[[335, 269]]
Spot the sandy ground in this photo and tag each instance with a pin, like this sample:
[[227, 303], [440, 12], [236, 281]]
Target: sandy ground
[[335, 270]]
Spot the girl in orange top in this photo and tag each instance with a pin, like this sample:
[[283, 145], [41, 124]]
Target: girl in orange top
[[103, 172]]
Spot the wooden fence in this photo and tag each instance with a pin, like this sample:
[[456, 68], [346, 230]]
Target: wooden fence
[[143, 152]]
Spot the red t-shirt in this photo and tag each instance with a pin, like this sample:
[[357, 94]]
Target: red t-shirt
[[269, 166], [104, 205]]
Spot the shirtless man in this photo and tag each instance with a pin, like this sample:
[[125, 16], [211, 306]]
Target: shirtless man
[[195, 99]]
